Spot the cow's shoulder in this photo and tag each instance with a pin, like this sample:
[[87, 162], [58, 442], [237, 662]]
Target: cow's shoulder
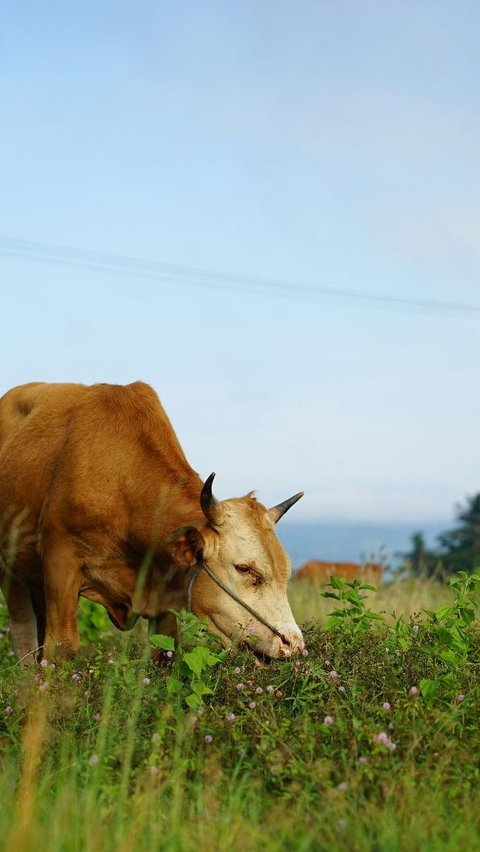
[[137, 401]]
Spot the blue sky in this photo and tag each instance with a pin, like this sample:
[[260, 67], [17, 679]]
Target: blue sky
[[329, 145]]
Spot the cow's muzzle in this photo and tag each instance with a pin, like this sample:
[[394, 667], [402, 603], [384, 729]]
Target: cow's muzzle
[[292, 643]]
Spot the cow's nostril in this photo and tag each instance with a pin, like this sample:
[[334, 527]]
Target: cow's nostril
[[295, 643]]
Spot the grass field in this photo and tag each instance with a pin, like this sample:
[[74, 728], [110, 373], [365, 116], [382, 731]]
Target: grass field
[[408, 598], [371, 742]]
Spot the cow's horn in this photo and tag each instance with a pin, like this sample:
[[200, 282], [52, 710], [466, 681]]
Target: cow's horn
[[276, 512], [211, 508]]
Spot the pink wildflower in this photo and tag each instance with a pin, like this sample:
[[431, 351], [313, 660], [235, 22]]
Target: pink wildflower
[[333, 674], [413, 690], [259, 690], [328, 720], [343, 786], [270, 688], [93, 760], [382, 738], [252, 705], [8, 710], [146, 681], [386, 705], [208, 739], [362, 759], [240, 686], [230, 717], [44, 663], [460, 698]]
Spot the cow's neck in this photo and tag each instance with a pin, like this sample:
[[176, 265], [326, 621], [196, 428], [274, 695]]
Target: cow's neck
[[167, 505]]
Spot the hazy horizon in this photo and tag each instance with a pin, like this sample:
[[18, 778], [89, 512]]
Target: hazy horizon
[[345, 541]]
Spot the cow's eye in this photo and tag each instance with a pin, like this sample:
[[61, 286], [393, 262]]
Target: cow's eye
[[248, 570], [244, 569]]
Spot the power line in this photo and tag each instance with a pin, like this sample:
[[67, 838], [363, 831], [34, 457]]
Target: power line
[[103, 262]]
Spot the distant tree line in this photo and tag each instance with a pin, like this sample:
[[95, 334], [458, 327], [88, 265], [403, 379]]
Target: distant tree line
[[457, 550]]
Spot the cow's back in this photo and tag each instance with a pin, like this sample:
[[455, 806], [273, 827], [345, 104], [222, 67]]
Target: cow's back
[[33, 423], [35, 406], [318, 571]]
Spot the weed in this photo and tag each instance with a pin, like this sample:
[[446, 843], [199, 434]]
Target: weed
[[346, 748]]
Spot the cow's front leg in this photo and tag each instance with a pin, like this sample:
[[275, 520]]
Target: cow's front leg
[[23, 623], [63, 579], [38, 600]]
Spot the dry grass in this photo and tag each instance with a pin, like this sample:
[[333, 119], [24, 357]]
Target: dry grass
[[401, 597]]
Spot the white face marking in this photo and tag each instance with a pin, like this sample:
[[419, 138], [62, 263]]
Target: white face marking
[[247, 538]]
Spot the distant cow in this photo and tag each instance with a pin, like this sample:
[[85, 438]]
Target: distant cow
[[97, 499], [315, 570]]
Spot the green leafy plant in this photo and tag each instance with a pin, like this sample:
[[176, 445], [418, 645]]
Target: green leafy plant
[[451, 622], [194, 655], [354, 616]]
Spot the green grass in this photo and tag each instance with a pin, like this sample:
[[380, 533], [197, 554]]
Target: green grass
[[111, 762]]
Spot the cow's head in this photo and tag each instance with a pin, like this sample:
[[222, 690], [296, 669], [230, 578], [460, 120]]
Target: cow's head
[[240, 544]]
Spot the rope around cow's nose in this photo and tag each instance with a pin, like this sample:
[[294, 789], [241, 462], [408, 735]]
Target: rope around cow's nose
[[216, 579]]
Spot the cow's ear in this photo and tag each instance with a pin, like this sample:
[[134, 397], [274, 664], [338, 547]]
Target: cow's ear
[[186, 545]]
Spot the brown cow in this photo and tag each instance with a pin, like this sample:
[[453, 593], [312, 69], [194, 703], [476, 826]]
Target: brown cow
[[97, 499], [315, 570]]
